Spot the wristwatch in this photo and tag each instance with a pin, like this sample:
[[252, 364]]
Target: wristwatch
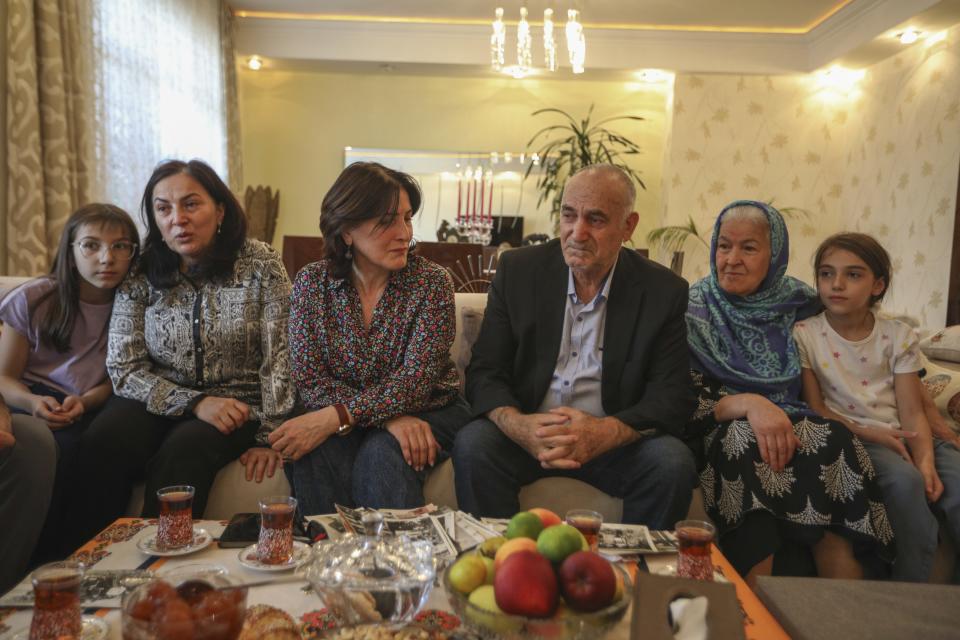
[[344, 417]]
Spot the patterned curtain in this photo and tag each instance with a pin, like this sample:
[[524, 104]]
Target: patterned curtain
[[231, 102], [49, 152]]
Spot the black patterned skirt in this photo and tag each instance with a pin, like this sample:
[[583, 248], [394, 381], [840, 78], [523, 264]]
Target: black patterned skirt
[[829, 484]]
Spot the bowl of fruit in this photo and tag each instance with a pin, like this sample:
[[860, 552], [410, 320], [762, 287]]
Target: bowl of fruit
[[537, 582]]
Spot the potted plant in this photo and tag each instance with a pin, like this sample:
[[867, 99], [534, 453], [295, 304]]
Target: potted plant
[[567, 147]]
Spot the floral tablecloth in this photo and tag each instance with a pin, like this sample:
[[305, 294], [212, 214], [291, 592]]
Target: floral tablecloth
[[115, 548]]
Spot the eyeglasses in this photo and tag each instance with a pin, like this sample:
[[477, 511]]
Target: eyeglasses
[[121, 250]]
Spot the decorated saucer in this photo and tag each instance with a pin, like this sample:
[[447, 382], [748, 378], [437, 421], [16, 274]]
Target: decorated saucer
[[148, 544], [301, 553]]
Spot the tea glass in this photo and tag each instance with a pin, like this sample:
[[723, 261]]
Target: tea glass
[[56, 597], [275, 545], [588, 523], [694, 538], [175, 525]]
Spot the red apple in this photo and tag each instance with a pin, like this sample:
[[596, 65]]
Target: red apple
[[588, 582], [547, 517], [526, 585]]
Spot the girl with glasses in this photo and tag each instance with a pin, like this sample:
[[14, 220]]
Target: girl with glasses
[[53, 346]]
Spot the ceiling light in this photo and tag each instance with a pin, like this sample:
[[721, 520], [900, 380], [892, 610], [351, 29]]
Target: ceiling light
[[255, 63], [518, 72], [497, 41], [524, 42], [653, 75], [576, 43], [549, 45], [909, 36]]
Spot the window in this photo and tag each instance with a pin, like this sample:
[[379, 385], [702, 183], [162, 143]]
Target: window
[[159, 91]]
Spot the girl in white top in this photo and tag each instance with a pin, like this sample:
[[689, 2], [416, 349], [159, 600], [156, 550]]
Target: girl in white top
[[860, 368]]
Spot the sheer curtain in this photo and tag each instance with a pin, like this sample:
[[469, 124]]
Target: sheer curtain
[[160, 91]]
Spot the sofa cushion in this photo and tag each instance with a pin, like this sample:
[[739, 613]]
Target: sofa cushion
[[943, 385], [943, 345], [470, 308]]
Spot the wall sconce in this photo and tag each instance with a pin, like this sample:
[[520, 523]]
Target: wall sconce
[[840, 78], [255, 63]]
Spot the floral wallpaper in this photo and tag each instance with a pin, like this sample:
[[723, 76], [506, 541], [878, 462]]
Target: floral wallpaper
[[880, 155]]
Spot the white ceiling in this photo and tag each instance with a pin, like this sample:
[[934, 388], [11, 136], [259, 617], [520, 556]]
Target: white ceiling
[[777, 14], [452, 37]]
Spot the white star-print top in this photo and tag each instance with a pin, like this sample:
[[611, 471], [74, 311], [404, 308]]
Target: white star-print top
[[856, 377]]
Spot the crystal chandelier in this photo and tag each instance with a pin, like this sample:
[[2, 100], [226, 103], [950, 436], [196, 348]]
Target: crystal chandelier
[[576, 43]]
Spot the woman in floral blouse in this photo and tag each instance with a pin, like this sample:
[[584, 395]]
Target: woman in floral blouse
[[370, 333], [197, 353]]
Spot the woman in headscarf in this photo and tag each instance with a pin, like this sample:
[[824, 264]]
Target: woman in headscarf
[[777, 478]]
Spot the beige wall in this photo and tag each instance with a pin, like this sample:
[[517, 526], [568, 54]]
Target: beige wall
[[3, 137], [881, 159], [296, 124]]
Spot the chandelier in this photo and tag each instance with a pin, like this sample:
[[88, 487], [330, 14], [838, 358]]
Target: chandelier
[[576, 43]]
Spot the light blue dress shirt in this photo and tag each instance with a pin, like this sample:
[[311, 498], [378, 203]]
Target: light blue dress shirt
[[576, 378]]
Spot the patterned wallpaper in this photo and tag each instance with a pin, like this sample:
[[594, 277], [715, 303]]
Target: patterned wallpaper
[[882, 158]]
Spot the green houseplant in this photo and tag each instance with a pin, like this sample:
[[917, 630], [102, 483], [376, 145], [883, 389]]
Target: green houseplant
[[565, 148]]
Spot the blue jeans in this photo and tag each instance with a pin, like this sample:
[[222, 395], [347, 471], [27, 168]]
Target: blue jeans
[[366, 467], [913, 519], [654, 476]]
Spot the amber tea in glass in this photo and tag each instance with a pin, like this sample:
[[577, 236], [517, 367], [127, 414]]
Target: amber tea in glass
[[56, 601], [175, 525], [275, 545], [694, 538], [588, 523]]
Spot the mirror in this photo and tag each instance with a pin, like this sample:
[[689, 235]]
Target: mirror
[[468, 186]]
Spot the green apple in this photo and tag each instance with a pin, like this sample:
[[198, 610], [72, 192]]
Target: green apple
[[491, 569], [487, 614], [524, 525], [468, 573], [559, 541], [490, 546]]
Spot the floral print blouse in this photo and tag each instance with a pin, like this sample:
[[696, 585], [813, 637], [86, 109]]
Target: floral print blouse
[[169, 347], [400, 366]]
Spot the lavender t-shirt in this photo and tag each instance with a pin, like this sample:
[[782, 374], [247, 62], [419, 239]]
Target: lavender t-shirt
[[75, 371]]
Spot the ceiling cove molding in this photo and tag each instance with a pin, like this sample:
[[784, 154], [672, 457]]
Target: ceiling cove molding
[[856, 24], [453, 45], [460, 45]]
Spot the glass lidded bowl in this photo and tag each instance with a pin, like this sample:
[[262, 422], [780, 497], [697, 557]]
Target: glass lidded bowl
[[370, 578], [566, 624], [186, 602]]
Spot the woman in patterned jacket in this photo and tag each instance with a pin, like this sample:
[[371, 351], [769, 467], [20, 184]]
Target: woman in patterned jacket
[[778, 480], [370, 333], [197, 353]]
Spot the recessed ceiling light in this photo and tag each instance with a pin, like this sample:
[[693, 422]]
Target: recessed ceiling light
[[255, 63], [653, 75], [518, 72], [909, 36]]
